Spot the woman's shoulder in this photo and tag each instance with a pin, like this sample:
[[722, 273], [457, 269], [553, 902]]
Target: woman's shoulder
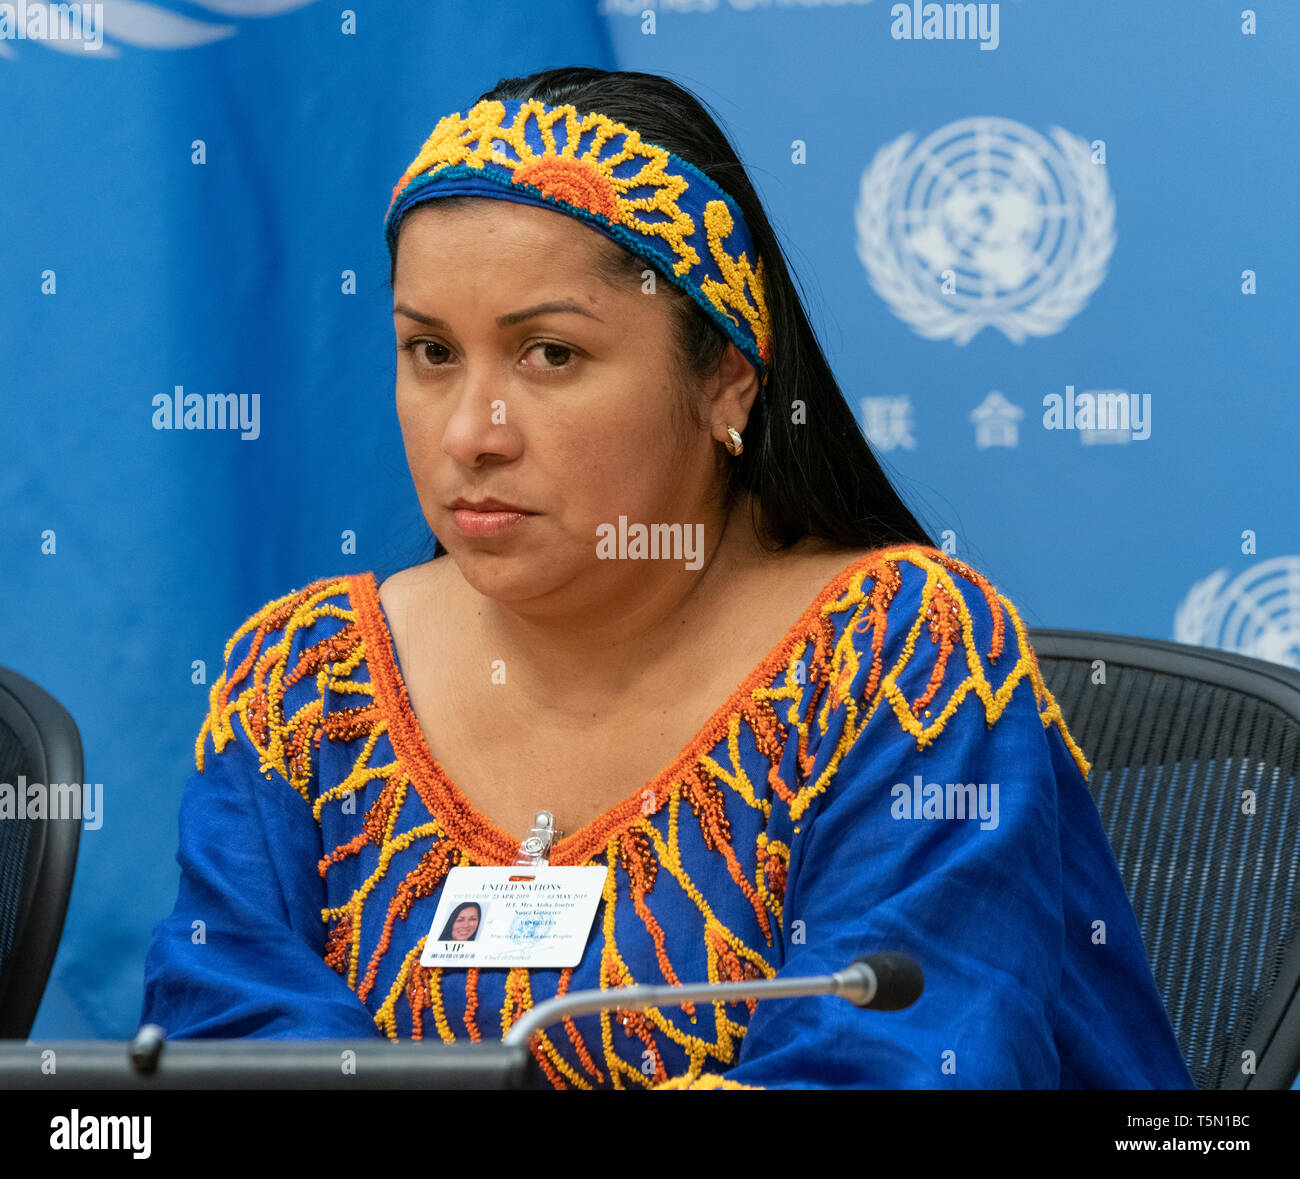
[[415, 576], [903, 585], [923, 633], [272, 665], [890, 608], [299, 617]]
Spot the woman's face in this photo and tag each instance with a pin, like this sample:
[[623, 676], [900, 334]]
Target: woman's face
[[465, 925], [523, 377]]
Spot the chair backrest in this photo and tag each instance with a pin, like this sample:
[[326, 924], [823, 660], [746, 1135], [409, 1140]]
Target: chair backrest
[[1195, 759], [39, 745]]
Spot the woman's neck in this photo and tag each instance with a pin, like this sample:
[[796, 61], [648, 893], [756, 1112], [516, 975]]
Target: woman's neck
[[615, 633]]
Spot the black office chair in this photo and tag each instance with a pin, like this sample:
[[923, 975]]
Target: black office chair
[[38, 857], [1183, 741]]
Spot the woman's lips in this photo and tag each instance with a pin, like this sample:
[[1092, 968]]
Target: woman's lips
[[492, 523]]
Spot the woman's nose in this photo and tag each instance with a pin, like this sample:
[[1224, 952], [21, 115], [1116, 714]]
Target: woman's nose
[[479, 422]]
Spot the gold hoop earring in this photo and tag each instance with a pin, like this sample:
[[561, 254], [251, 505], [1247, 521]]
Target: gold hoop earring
[[735, 445]]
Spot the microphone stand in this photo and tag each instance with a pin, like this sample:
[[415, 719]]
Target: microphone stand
[[884, 982], [859, 983]]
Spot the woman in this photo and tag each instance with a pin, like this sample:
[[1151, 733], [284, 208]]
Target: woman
[[676, 603], [462, 925]]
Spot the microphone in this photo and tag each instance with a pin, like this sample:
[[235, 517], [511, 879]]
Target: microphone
[[883, 982], [887, 981]]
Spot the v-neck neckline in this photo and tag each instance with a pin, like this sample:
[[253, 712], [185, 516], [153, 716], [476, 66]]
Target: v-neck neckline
[[468, 828]]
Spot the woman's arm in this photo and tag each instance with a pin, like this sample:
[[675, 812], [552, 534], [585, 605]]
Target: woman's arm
[[241, 953], [998, 888]]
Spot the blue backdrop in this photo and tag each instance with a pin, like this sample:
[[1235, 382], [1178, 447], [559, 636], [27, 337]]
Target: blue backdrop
[[1086, 205]]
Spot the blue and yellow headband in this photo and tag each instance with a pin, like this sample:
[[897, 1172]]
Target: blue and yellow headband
[[643, 197]]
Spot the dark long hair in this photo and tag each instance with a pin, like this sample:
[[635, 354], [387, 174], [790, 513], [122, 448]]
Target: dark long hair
[[815, 477], [456, 912]]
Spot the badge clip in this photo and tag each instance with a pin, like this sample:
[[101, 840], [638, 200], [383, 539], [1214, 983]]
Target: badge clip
[[535, 851]]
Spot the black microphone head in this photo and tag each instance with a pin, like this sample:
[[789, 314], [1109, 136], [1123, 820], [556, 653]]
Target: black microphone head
[[899, 980]]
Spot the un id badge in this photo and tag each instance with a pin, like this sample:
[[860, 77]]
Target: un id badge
[[531, 914]]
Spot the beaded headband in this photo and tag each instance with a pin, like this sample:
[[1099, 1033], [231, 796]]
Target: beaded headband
[[648, 200]]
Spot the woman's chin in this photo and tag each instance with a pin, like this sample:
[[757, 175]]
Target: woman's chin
[[506, 576], [525, 574]]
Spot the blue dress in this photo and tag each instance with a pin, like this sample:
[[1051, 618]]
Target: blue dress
[[893, 775]]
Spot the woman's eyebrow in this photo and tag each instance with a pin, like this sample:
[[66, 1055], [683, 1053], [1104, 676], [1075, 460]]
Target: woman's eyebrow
[[513, 317]]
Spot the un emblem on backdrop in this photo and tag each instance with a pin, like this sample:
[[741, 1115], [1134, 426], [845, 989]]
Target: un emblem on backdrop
[[985, 224], [1255, 613]]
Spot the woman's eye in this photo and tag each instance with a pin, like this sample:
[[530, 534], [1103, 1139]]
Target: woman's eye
[[552, 353], [422, 348], [420, 351]]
